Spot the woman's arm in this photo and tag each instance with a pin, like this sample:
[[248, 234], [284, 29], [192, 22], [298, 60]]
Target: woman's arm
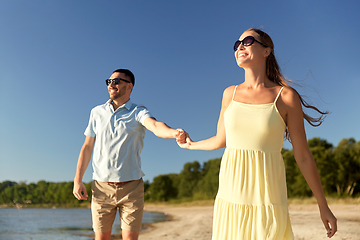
[[304, 158], [219, 140]]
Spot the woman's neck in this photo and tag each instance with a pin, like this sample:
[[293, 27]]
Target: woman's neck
[[255, 78]]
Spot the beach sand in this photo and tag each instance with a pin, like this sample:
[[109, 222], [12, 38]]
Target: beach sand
[[195, 222]]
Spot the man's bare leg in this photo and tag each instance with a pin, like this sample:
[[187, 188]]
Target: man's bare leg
[[103, 236], [130, 235]]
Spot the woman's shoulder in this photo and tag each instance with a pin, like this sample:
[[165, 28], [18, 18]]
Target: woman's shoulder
[[228, 95], [229, 92], [290, 96], [230, 89]]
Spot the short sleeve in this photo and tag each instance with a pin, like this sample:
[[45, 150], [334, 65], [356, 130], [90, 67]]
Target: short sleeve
[[142, 114], [90, 129]]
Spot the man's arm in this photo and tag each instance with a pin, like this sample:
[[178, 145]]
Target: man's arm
[[79, 190], [162, 130]]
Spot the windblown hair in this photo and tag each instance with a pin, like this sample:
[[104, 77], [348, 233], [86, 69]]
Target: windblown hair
[[273, 72]]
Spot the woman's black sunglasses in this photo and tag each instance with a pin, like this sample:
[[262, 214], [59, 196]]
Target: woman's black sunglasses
[[249, 40], [115, 81]]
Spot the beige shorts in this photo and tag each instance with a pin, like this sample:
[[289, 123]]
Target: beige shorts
[[107, 198]]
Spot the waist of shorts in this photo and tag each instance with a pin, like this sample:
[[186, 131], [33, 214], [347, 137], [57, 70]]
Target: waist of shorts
[[120, 183]]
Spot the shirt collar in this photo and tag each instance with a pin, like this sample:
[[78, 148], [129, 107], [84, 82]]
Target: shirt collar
[[126, 105]]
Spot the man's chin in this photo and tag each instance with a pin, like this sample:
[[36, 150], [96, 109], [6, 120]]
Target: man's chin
[[113, 97]]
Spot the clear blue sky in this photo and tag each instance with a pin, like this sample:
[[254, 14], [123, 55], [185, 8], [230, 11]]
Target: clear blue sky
[[55, 56]]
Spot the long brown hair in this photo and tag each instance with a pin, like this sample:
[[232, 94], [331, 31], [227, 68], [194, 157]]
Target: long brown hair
[[273, 72]]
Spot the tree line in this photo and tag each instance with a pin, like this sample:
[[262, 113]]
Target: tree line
[[40, 193], [339, 169]]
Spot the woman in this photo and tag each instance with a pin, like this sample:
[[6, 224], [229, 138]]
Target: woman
[[252, 200]]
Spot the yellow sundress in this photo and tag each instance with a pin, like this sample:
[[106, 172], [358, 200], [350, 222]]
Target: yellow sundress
[[251, 203]]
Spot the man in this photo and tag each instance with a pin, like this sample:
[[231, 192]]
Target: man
[[119, 129]]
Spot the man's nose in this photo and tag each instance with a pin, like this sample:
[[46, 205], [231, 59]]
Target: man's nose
[[112, 83]]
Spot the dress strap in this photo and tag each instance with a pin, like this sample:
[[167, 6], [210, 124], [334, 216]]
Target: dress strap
[[234, 93], [278, 94]]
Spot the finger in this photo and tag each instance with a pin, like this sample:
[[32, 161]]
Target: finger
[[179, 132], [181, 141], [329, 230], [326, 225], [332, 230], [77, 195], [81, 197], [182, 136], [330, 233]]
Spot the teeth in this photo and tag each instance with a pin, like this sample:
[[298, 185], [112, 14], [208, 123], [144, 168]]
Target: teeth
[[242, 55]]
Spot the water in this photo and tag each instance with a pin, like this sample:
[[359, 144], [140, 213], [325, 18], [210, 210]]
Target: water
[[55, 224]]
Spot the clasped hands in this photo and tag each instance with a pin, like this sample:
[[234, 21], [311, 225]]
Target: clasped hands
[[183, 139]]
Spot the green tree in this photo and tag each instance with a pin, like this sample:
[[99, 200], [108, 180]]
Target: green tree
[[41, 189], [6, 184], [189, 177], [162, 188], [207, 186], [52, 194], [30, 192], [42, 192], [348, 166], [291, 170], [66, 193], [20, 192], [323, 153], [7, 195]]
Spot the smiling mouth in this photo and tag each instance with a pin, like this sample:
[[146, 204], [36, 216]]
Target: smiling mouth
[[112, 90]]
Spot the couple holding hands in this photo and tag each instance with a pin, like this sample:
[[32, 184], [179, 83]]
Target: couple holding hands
[[255, 117]]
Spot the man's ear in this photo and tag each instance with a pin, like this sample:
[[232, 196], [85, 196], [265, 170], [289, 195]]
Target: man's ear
[[131, 87]]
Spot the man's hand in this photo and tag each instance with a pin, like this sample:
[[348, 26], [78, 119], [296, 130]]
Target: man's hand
[[79, 191], [181, 136], [183, 139]]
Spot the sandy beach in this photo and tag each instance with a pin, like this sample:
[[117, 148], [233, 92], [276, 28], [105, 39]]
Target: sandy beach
[[195, 222]]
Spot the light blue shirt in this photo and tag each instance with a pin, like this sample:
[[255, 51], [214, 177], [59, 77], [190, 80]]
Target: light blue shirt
[[119, 141]]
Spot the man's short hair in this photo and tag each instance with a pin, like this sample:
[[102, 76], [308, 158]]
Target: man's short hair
[[128, 73]]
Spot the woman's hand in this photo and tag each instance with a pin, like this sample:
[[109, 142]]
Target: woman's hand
[[329, 221], [184, 140]]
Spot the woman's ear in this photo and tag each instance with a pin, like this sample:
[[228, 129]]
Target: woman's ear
[[267, 52]]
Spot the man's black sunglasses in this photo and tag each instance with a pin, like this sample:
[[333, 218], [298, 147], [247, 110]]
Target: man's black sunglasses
[[115, 81], [249, 40]]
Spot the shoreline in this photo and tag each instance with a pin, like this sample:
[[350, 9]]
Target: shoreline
[[195, 222]]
